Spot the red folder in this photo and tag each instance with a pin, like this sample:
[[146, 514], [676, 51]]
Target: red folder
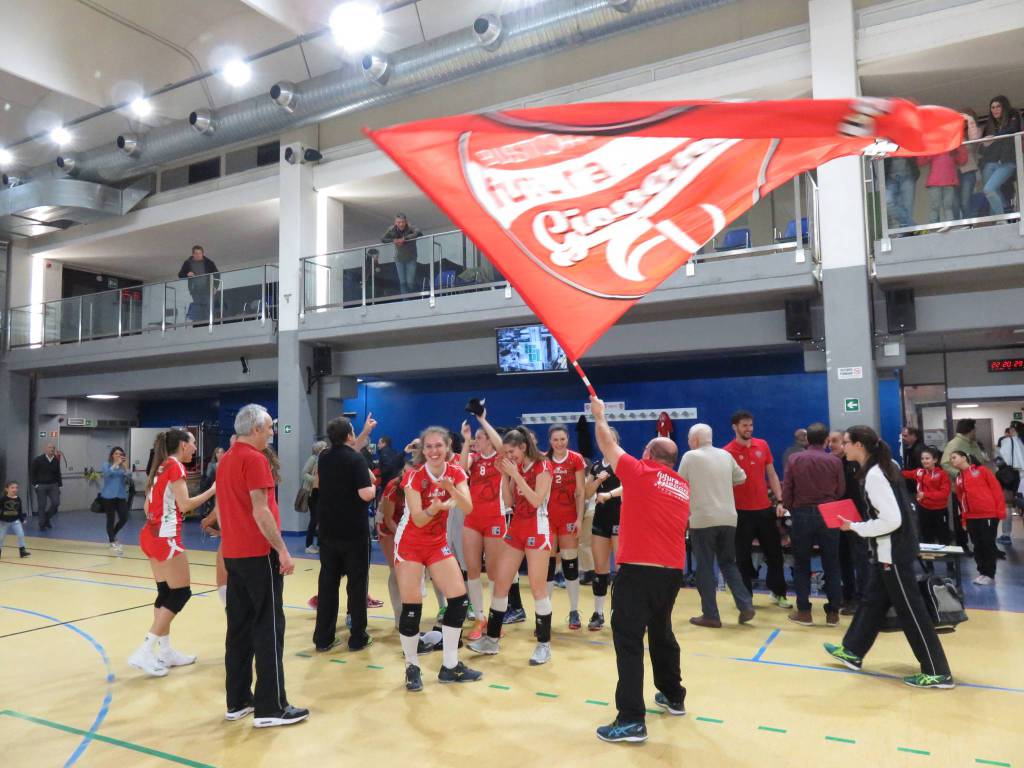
[[831, 511]]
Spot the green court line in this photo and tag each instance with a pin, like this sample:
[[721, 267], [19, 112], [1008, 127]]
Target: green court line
[[106, 739], [547, 695], [337, 661], [500, 687], [304, 654], [773, 730], [374, 666], [598, 703], [841, 740], [654, 712], [710, 720], [983, 761], [913, 751]]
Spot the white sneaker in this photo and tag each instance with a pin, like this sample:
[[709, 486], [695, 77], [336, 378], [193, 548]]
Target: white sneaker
[[118, 549], [983, 581], [148, 662], [172, 658], [238, 714], [486, 645], [312, 549], [541, 654]]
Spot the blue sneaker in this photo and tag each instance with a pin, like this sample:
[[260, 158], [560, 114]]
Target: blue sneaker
[[515, 616], [677, 708], [616, 731], [560, 580]]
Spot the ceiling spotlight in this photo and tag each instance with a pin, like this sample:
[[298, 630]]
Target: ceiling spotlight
[[284, 95], [60, 135], [202, 121], [141, 107], [102, 397], [375, 67], [128, 143], [6, 158], [356, 26], [237, 73], [11, 181], [488, 31], [66, 164], [7, 106]]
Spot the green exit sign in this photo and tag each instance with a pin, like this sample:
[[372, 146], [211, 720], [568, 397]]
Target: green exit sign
[[287, 429], [851, 405]]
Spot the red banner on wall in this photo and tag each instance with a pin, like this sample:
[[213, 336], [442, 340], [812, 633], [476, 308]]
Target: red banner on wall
[[587, 208]]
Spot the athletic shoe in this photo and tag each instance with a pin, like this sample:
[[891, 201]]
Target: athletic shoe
[[172, 658], [413, 681], [560, 580], [238, 714], [478, 631], [674, 707], [515, 616], [781, 601], [312, 549], [803, 618], [117, 548], [22, 552], [832, 618], [148, 662], [848, 609], [616, 731], [371, 603], [313, 601], [486, 645], [1004, 540], [541, 654], [574, 620], [983, 581], [841, 654], [587, 578], [287, 716], [329, 647], [922, 680], [460, 673], [360, 646], [596, 622]]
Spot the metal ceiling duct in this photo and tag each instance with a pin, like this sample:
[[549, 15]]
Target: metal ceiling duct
[[50, 205], [545, 27]]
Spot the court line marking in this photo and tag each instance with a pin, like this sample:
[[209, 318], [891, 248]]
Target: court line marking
[[710, 720], [106, 739], [105, 706], [983, 761], [100, 573], [115, 558], [840, 740], [914, 751], [770, 729], [500, 687], [771, 638]]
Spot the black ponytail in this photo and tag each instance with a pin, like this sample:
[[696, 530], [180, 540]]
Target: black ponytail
[[879, 453], [165, 445]]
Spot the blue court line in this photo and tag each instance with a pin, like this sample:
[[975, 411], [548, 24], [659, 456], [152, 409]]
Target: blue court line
[[763, 648], [105, 707], [104, 583]]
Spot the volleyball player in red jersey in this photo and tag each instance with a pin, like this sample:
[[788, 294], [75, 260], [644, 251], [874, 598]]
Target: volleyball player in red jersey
[[421, 542], [167, 501], [565, 511], [389, 514], [484, 528], [526, 482]]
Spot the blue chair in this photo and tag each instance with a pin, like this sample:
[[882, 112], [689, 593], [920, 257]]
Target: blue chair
[[735, 238], [790, 233], [445, 280]]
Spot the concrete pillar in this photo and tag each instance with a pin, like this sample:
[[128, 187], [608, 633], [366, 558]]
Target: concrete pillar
[[850, 363], [16, 449]]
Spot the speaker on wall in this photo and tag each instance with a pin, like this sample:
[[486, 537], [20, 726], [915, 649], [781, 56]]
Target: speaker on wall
[[900, 314], [322, 365], [798, 320]]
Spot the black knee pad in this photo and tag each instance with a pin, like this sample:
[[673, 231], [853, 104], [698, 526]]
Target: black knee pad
[[571, 569], [551, 569], [162, 591], [409, 621], [176, 599], [600, 584], [455, 615]]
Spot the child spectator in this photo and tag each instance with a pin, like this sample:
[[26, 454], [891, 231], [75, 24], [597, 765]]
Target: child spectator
[[981, 498], [932, 495], [943, 183], [11, 516]]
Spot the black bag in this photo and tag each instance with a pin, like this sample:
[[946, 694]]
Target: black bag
[[943, 601], [97, 505]]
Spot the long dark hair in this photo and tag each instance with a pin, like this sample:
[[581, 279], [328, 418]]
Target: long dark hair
[[1007, 109], [110, 456], [879, 453], [166, 444], [550, 453], [521, 436]]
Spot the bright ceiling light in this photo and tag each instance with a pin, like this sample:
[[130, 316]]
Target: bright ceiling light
[[102, 397], [60, 135], [237, 73], [141, 107], [967, 405], [6, 158], [356, 26]]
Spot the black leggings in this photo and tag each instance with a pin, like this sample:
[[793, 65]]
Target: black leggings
[[311, 530], [116, 511]]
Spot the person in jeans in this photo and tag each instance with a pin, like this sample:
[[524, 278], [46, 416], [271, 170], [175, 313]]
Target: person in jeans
[[901, 174], [45, 477], [114, 495], [983, 506], [968, 172], [757, 515], [651, 557], [889, 528], [814, 477], [712, 473], [998, 160], [943, 183], [404, 237], [196, 268], [1011, 451], [11, 516]]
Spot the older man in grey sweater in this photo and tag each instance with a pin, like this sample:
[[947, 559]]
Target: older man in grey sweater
[[712, 473]]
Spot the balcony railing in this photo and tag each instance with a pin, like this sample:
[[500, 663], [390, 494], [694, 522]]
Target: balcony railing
[[989, 195], [449, 263], [207, 301]]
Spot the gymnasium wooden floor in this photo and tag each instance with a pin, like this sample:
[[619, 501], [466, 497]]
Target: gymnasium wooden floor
[[761, 695]]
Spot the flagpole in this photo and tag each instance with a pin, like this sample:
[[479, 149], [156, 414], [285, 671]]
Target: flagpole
[[586, 381]]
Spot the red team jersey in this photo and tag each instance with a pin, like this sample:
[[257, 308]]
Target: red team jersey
[[487, 517], [160, 537], [754, 460], [391, 493], [529, 528], [562, 503], [427, 544]]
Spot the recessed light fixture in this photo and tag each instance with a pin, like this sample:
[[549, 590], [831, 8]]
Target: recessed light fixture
[[60, 135], [967, 405], [237, 73], [141, 107], [356, 26], [6, 158], [102, 397], [359, 380]]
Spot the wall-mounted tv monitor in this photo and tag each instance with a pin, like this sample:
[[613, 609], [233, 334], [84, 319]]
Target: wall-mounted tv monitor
[[528, 349]]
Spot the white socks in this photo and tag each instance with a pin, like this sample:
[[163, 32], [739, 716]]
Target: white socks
[[599, 604], [450, 649], [222, 593], [573, 588], [476, 596], [396, 596], [499, 603], [409, 646], [150, 643], [543, 607]]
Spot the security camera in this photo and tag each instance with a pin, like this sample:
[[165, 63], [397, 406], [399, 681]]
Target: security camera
[[299, 154]]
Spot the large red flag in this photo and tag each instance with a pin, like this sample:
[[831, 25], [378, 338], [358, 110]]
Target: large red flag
[[588, 207]]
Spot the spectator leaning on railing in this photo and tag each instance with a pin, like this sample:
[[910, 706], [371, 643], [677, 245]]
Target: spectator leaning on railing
[[968, 172], [196, 267], [998, 161], [942, 183], [403, 235]]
